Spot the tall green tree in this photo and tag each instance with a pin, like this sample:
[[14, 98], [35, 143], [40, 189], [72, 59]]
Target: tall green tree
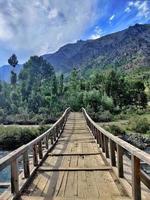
[[13, 62], [74, 80], [61, 84], [54, 87]]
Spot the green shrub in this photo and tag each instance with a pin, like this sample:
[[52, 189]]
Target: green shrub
[[140, 125], [116, 130], [104, 116], [107, 103]]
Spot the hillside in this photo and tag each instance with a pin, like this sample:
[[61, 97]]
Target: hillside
[[5, 72], [128, 49]]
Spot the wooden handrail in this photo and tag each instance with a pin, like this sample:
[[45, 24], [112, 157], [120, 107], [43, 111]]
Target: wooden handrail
[[37, 148], [102, 136]]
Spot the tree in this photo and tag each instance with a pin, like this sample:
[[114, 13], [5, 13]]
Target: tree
[[61, 84], [1, 87], [13, 78], [74, 80], [54, 86], [13, 62]]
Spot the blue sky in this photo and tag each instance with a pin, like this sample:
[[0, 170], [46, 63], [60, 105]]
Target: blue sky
[[36, 27]]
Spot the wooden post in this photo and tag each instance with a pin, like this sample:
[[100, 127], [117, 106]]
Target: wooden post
[[56, 130], [51, 139], [40, 150], [120, 161], [35, 157], [26, 165], [54, 135], [14, 177], [106, 146], [99, 135], [103, 142], [112, 153], [98, 138], [46, 141], [95, 133], [136, 183]]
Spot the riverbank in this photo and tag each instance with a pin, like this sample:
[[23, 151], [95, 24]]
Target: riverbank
[[12, 137]]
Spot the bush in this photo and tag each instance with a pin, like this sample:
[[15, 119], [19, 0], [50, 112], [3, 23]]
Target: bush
[[140, 125], [103, 116], [116, 130], [107, 103]]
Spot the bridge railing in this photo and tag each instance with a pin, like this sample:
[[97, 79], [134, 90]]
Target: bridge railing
[[110, 144], [37, 150]]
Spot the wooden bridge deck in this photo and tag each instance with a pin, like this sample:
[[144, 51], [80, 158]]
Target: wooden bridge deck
[[75, 169]]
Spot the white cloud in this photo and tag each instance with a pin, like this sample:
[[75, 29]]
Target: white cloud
[[142, 7], [41, 26], [111, 18], [5, 32], [53, 13], [97, 33], [128, 9]]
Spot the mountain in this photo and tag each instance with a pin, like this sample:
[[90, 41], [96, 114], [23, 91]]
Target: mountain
[[5, 72], [126, 49]]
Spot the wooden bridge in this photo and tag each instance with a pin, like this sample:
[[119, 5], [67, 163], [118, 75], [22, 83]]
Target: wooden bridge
[[76, 160]]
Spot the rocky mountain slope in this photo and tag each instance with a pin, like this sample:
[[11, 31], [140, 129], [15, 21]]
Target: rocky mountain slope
[[127, 49]]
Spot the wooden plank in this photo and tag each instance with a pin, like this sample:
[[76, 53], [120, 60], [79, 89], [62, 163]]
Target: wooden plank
[[74, 154], [103, 168]]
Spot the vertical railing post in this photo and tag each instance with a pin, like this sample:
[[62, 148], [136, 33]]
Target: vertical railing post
[[97, 136], [136, 183], [26, 164], [46, 141], [51, 139], [54, 134], [112, 153], [103, 142], [106, 147], [100, 141], [14, 177], [120, 161], [35, 155], [40, 149], [56, 129]]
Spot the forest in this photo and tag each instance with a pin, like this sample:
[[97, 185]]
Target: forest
[[39, 95]]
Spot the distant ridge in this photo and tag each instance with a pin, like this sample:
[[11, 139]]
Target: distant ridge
[[127, 49]]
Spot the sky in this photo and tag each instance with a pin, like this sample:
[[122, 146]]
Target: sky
[[37, 27]]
